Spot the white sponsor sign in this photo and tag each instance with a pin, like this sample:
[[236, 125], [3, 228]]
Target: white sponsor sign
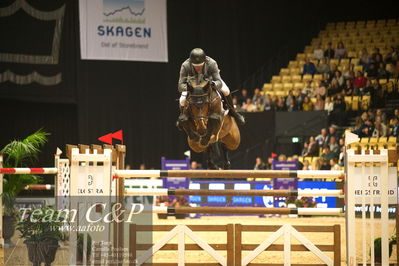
[[133, 30]]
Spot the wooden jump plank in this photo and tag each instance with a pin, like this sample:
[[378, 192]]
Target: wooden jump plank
[[193, 227], [299, 228], [294, 247], [187, 246]]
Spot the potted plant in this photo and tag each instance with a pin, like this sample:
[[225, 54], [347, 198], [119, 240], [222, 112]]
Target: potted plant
[[41, 230], [378, 248], [18, 153]]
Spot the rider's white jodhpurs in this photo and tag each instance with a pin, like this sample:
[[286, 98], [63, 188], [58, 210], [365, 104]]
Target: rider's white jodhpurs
[[225, 90]]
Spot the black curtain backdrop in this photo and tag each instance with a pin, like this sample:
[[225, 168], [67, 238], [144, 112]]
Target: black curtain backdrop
[[99, 97]]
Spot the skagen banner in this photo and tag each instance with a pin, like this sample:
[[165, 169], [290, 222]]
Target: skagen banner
[[123, 30]]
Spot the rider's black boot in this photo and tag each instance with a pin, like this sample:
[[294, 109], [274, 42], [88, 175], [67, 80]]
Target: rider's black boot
[[238, 117]]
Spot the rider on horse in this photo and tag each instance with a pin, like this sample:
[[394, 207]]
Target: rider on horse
[[200, 64]]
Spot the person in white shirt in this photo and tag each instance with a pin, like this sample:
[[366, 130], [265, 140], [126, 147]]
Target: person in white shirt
[[318, 53]]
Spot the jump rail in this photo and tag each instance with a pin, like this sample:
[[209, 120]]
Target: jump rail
[[311, 174], [246, 210], [233, 192], [25, 171]]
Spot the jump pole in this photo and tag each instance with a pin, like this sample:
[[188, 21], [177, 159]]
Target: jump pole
[[311, 174], [233, 192]]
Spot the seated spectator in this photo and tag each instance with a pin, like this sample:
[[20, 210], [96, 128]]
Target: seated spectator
[[360, 80], [372, 71], [376, 57], [307, 104], [289, 96], [325, 81], [320, 90], [319, 104], [259, 164], [382, 115], [248, 106], [236, 104], [242, 98], [307, 90], [341, 158], [334, 88], [292, 106], [309, 67], [313, 148], [318, 53], [381, 72], [338, 76], [394, 127], [360, 120], [366, 129], [323, 67], [280, 106], [260, 107], [364, 58], [322, 137], [329, 52], [348, 89], [269, 164], [306, 165], [257, 95], [395, 71], [333, 69], [282, 158], [334, 164], [340, 52], [348, 70], [327, 154], [268, 103], [334, 147], [388, 59], [305, 149], [328, 105], [380, 129]]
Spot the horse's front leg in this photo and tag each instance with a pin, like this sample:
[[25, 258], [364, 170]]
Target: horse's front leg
[[214, 123]]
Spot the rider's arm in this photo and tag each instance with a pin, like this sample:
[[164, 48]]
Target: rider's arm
[[182, 85], [214, 70]]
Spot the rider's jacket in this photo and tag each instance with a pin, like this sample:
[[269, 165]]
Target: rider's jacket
[[210, 70]]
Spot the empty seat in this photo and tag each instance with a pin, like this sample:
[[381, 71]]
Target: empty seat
[[348, 102], [292, 64], [286, 79], [276, 79], [299, 85], [277, 86], [317, 77], [302, 56], [295, 71], [288, 86], [284, 71], [307, 77], [296, 78], [267, 87]]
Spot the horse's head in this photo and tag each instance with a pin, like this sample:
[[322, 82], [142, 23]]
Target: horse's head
[[199, 101]]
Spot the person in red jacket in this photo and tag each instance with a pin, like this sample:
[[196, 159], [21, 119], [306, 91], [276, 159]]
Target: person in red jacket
[[360, 80]]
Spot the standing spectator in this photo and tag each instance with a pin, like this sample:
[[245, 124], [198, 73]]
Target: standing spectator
[[322, 137], [318, 53], [328, 105], [259, 164], [329, 52], [360, 80], [338, 113], [319, 104], [309, 67], [340, 52], [323, 67], [307, 104]]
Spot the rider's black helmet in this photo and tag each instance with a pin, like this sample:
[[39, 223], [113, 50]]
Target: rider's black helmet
[[197, 56]]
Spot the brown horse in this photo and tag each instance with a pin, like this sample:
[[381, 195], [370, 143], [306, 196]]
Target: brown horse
[[208, 123]]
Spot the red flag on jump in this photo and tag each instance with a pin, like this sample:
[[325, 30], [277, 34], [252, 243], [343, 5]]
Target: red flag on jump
[[106, 138], [118, 135]]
